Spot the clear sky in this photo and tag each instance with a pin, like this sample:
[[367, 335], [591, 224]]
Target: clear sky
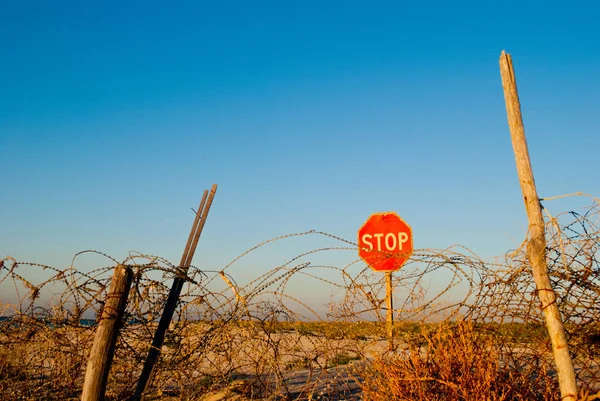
[[115, 116]]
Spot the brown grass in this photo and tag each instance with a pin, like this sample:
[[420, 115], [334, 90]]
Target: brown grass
[[455, 363]]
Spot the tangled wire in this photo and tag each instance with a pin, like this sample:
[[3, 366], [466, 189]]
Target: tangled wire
[[279, 342]]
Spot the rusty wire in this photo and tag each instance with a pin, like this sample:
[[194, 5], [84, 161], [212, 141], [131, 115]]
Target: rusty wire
[[265, 332]]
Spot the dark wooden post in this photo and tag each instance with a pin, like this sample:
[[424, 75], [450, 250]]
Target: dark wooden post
[[169, 310], [111, 321], [536, 247]]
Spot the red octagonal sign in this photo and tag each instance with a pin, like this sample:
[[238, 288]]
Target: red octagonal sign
[[385, 242]]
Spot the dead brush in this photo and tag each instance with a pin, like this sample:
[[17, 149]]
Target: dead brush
[[455, 363], [41, 362]]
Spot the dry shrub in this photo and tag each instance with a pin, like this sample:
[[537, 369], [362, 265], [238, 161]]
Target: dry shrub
[[456, 362], [40, 362]]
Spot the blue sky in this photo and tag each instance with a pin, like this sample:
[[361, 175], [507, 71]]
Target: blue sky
[[309, 115]]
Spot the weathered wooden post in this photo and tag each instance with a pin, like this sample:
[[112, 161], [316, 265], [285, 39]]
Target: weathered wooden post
[[536, 247], [389, 303], [111, 321]]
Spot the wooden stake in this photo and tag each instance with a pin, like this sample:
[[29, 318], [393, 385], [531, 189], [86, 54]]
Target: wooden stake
[[390, 310], [103, 349], [536, 247], [171, 304]]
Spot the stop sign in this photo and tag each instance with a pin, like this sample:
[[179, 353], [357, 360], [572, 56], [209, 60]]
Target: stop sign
[[385, 242]]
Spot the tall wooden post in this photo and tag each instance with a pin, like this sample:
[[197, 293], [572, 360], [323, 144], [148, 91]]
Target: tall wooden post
[[536, 247], [390, 310], [171, 304], [111, 321]]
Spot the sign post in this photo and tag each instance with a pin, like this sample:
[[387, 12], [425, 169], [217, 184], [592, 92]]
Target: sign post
[[385, 243], [389, 317]]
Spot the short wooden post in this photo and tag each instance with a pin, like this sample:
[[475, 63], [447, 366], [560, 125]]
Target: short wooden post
[[536, 248], [390, 310], [111, 321]]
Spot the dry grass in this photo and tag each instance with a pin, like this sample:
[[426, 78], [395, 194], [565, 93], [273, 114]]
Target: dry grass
[[38, 362], [456, 363]]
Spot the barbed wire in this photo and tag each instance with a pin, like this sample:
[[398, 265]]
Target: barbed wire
[[269, 331]]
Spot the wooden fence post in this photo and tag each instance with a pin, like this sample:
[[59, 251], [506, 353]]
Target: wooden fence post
[[536, 247], [111, 321]]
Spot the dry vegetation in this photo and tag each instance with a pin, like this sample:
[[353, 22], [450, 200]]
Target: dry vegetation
[[485, 339], [456, 362]]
